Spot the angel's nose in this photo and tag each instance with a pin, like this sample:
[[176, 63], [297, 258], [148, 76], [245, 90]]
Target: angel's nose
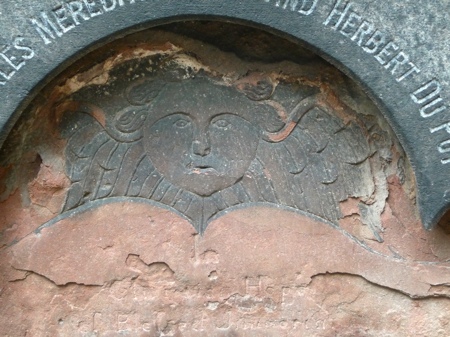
[[201, 145]]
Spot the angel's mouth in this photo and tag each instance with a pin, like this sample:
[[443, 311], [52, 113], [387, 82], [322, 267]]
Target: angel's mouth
[[203, 169]]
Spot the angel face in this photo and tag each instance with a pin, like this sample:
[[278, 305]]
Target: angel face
[[201, 141]]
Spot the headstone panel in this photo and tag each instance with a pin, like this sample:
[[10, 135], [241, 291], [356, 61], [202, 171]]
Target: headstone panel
[[179, 183]]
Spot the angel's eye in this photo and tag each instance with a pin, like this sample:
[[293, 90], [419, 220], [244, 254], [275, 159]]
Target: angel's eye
[[181, 123], [222, 123]]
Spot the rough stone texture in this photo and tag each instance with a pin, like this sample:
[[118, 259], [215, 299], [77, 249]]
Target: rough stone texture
[[133, 267], [139, 270]]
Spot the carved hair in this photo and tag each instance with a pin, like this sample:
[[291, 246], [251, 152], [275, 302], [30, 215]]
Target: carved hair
[[257, 87]]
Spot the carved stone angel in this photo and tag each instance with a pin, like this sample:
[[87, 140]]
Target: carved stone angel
[[201, 145]]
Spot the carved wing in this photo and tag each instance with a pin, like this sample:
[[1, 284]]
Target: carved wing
[[98, 164], [321, 163]]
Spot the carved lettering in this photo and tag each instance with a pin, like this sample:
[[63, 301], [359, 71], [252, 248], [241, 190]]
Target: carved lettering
[[77, 11], [109, 5], [7, 70], [46, 28], [338, 14], [65, 17], [388, 53], [413, 69], [93, 8], [428, 96], [444, 147], [64, 21], [27, 52], [445, 126], [373, 41], [13, 61], [385, 54], [397, 62], [350, 26], [445, 161], [304, 7], [426, 93], [13, 57], [308, 7], [363, 31]]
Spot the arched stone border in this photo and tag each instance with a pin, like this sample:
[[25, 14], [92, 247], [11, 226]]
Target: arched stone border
[[367, 41]]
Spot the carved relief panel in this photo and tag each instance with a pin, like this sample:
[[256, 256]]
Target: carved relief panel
[[166, 129]]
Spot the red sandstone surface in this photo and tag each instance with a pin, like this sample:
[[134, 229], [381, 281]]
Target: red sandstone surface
[[129, 268]]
